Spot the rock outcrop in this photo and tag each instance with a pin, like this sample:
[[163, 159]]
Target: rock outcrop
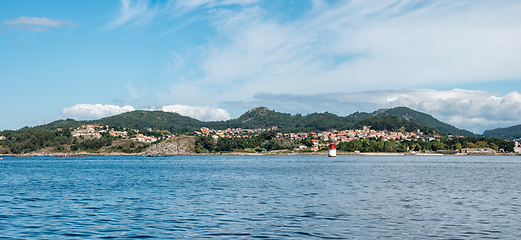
[[479, 151], [178, 145]]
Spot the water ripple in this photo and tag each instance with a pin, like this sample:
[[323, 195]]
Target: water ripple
[[268, 197]]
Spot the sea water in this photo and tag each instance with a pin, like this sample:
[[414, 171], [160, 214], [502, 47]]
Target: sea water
[[273, 197]]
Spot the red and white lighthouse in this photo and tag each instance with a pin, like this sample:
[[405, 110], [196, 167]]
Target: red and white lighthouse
[[332, 150]]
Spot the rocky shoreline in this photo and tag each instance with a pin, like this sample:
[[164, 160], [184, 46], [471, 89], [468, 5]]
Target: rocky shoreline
[[185, 145]]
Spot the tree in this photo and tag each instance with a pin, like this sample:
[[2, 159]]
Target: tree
[[401, 148], [306, 142], [494, 146], [437, 145], [417, 148], [199, 148], [458, 146], [482, 144]]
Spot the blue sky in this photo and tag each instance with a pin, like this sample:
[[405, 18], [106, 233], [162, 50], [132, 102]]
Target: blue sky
[[214, 59]]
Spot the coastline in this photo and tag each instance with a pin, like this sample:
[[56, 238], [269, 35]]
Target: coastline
[[289, 153]]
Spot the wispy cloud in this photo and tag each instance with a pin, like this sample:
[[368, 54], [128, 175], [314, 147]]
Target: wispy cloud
[[34, 24], [141, 12], [177, 63], [213, 3], [94, 111], [472, 110], [136, 92], [136, 13], [363, 45]]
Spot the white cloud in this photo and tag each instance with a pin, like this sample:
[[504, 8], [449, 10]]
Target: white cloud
[[34, 24], [201, 113], [94, 111], [468, 109]]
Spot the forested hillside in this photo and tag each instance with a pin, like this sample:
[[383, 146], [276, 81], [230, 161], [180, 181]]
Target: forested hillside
[[27, 140], [262, 117], [391, 123], [422, 118], [509, 133]]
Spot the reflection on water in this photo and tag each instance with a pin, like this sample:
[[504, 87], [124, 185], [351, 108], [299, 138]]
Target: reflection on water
[[290, 197]]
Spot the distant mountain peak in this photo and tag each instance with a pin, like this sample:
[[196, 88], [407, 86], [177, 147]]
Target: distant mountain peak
[[255, 113], [380, 111], [261, 110]]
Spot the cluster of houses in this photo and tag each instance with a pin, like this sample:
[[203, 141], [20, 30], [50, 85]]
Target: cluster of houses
[[320, 139], [356, 134], [145, 139], [233, 132], [86, 131], [95, 131], [331, 136]]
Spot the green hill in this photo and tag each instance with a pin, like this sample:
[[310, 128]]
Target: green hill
[[157, 120], [259, 117], [139, 119], [508, 133], [262, 117]]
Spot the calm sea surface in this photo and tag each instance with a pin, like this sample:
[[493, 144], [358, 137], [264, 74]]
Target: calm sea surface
[[277, 197]]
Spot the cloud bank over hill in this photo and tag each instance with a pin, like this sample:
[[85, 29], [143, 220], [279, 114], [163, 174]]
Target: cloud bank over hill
[[96, 111], [468, 109], [201, 113], [472, 110]]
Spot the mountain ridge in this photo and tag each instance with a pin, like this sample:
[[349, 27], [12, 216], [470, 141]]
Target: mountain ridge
[[259, 117]]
